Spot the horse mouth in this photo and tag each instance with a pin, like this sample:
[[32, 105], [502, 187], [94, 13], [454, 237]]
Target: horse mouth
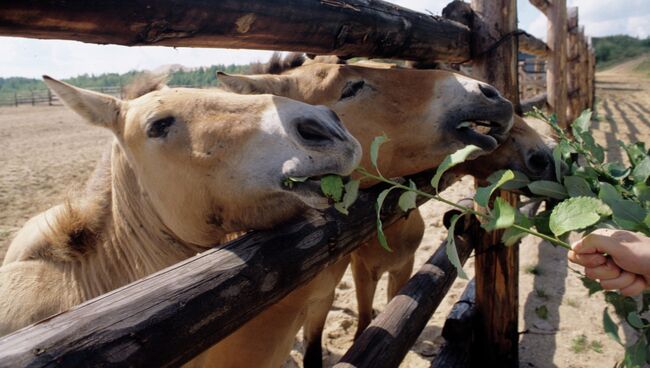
[[485, 134], [308, 189]]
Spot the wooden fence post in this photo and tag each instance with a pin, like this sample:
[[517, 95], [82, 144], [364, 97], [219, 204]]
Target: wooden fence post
[[556, 84], [497, 266], [33, 102], [573, 64], [16, 99], [49, 97]]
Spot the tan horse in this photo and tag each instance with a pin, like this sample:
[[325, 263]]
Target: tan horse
[[421, 112], [187, 167]]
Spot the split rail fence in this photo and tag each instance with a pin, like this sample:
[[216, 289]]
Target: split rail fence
[[171, 316]]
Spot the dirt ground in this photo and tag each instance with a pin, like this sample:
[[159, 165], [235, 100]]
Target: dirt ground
[[45, 152]]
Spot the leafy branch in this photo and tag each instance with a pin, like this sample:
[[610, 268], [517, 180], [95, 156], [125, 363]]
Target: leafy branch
[[592, 193]]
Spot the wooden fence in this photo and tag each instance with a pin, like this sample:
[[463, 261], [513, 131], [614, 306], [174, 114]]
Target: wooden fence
[[133, 325]]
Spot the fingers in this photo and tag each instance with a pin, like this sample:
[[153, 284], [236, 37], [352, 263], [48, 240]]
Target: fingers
[[624, 280], [606, 271], [587, 260], [599, 241], [635, 288]]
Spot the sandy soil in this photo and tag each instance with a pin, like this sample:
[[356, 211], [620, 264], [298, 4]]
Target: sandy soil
[[47, 151]]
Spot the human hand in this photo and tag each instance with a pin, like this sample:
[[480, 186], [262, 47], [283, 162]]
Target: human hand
[[626, 266]]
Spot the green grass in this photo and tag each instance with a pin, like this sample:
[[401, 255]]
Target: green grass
[[581, 344], [534, 270]]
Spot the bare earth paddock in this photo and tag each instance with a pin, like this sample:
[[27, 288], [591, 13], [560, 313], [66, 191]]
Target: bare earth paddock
[[47, 152]]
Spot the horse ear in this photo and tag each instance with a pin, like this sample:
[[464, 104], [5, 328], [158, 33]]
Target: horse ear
[[242, 84], [97, 108]]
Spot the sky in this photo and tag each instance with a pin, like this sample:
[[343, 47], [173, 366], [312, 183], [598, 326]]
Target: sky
[[62, 59]]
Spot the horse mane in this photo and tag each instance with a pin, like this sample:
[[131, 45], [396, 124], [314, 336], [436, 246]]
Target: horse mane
[[144, 83]]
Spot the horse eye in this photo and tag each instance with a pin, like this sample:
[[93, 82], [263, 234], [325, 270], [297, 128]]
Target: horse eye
[[351, 89], [160, 127]]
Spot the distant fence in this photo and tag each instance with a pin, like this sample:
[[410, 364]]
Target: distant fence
[[46, 97]]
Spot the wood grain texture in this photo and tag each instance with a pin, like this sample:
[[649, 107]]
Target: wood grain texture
[[392, 333], [556, 81], [542, 5], [371, 28], [458, 331]]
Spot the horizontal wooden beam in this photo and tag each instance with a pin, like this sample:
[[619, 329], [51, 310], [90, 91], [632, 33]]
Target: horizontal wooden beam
[[532, 45], [392, 333], [458, 331], [341, 27], [542, 5], [173, 315]]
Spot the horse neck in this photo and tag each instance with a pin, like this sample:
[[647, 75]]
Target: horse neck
[[136, 243]]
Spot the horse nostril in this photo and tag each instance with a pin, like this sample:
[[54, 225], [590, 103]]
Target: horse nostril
[[313, 131], [539, 161], [489, 91]]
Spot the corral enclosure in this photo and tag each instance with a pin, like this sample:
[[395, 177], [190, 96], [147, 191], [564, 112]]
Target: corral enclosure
[[584, 98]]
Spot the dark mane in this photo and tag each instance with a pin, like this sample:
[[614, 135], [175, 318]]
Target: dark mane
[[278, 64]]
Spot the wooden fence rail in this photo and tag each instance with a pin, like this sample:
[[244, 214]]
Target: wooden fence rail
[[340, 27]]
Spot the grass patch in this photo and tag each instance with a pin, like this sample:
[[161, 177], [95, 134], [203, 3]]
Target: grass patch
[[581, 344], [534, 270]]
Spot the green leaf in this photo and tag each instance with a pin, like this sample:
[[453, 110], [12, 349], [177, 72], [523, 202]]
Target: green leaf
[[548, 188], [608, 193], [452, 160], [641, 171], [616, 170], [610, 327], [450, 248], [502, 215], [512, 235], [350, 196], [407, 199], [483, 194], [578, 187], [628, 214], [374, 148], [635, 321], [582, 123], [590, 145], [636, 152], [541, 221], [577, 213], [635, 355], [332, 187], [542, 312], [592, 285], [519, 181], [380, 227], [642, 192]]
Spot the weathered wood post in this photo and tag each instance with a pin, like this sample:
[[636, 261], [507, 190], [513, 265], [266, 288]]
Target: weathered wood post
[[49, 97], [573, 64], [33, 102], [583, 69], [497, 267], [556, 84], [16, 99]]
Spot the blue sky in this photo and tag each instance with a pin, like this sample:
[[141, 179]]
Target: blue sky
[[62, 59]]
